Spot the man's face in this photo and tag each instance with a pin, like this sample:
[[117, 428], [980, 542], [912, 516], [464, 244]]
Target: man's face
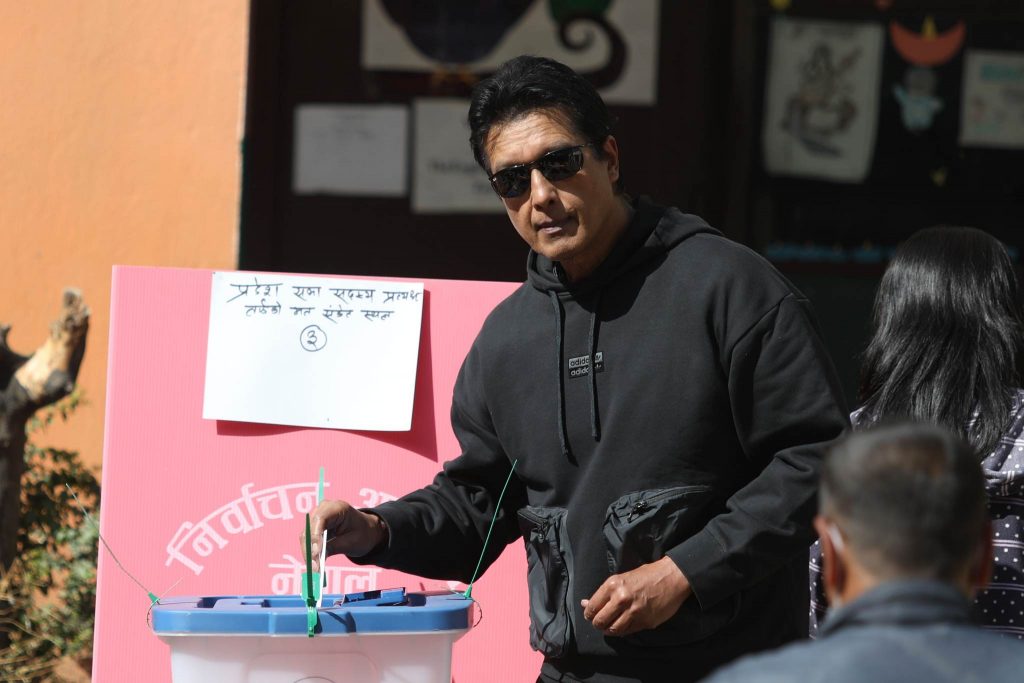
[[574, 221]]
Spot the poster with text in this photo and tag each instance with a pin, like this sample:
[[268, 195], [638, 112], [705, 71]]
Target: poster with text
[[312, 351], [821, 104], [612, 42], [992, 107]]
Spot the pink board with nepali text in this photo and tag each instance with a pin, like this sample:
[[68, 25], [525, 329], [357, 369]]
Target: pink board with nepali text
[[217, 507]]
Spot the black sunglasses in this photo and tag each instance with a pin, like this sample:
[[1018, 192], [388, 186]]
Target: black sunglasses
[[556, 165]]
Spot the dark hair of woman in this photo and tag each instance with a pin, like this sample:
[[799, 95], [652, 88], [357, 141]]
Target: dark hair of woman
[[947, 337]]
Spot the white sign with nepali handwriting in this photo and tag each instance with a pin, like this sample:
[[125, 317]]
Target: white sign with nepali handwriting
[[312, 351]]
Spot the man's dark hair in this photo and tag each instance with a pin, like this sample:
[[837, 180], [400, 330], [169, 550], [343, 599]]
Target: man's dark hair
[[947, 337], [527, 84], [910, 500]]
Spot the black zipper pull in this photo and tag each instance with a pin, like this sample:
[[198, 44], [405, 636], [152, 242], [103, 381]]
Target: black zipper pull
[[638, 509]]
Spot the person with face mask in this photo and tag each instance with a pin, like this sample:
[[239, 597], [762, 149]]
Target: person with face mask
[[946, 348], [906, 540]]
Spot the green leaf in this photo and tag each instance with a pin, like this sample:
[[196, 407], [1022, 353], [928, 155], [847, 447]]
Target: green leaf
[[57, 550]]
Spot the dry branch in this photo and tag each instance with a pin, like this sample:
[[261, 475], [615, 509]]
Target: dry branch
[[27, 383]]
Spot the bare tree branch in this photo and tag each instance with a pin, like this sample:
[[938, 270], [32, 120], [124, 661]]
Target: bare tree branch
[[27, 383]]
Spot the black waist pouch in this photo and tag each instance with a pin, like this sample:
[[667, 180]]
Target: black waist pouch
[[549, 572], [639, 528]]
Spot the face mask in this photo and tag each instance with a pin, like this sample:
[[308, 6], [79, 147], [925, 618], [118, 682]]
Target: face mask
[[839, 548]]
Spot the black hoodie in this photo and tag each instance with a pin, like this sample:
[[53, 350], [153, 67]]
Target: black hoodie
[[699, 437]]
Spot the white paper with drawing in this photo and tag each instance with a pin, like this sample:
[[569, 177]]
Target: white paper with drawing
[[312, 351]]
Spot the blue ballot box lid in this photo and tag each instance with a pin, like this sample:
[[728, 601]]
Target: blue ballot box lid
[[379, 611]]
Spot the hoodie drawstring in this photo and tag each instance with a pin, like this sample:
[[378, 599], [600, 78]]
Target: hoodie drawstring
[[562, 435], [595, 425]]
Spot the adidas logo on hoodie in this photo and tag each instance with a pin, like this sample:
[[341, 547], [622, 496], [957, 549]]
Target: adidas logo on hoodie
[[580, 365]]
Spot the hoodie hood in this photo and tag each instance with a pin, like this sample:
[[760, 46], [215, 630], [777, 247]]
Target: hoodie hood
[[652, 231]]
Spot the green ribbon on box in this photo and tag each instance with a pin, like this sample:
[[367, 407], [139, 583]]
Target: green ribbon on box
[[310, 585]]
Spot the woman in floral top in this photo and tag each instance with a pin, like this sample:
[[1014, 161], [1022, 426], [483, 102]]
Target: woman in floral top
[[946, 348]]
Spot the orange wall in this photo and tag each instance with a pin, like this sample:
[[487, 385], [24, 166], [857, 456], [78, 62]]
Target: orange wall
[[120, 127]]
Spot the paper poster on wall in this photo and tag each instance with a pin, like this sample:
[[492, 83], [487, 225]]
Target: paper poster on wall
[[821, 104], [350, 149], [312, 351], [614, 43], [446, 177], [992, 108]]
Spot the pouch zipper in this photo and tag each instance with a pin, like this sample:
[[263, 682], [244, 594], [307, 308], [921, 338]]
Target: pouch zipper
[[637, 509], [641, 506], [537, 520]]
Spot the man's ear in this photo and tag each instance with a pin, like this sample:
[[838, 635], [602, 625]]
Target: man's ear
[[833, 570], [981, 566], [610, 146]]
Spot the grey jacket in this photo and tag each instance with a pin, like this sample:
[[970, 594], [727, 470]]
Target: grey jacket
[[905, 631]]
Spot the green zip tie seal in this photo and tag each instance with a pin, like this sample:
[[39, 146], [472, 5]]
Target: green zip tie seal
[[497, 508], [309, 580]]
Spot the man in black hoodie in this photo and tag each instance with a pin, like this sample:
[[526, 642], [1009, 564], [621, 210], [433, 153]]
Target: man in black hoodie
[[665, 397]]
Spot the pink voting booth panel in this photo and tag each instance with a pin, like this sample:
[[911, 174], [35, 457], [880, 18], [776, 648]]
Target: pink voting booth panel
[[218, 506]]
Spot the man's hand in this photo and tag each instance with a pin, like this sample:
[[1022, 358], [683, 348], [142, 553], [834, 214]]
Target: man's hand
[[640, 599], [349, 531]]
